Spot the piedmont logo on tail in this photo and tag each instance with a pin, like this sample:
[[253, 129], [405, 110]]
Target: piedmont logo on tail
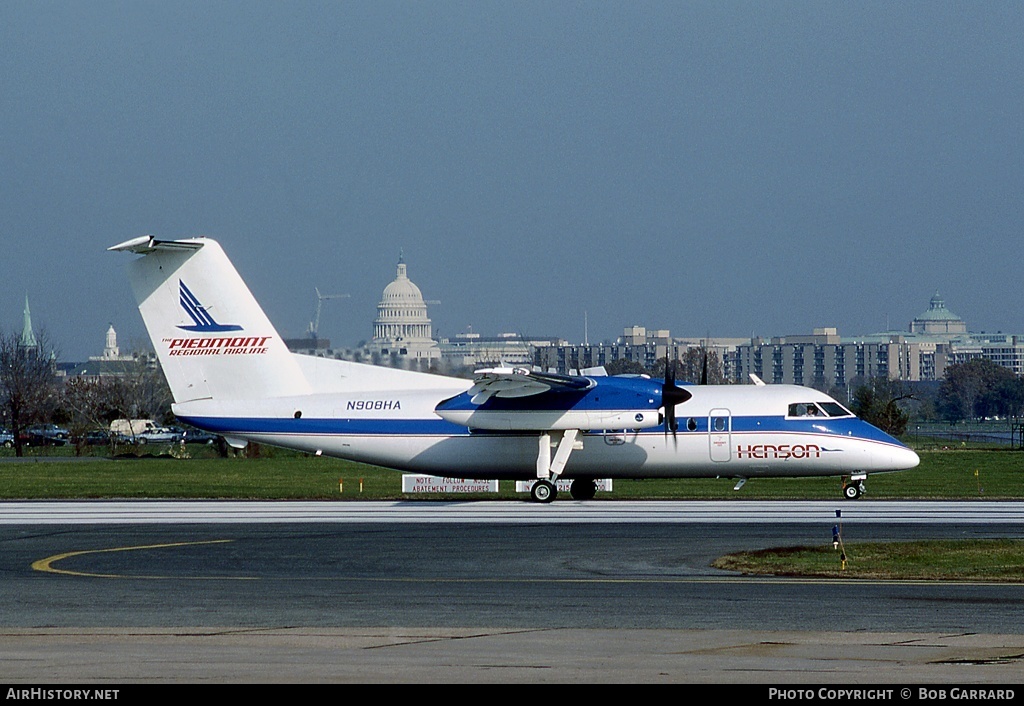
[[225, 345], [505, 424], [197, 312], [205, 323]]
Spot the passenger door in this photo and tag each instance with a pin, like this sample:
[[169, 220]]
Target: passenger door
[[720, 435]]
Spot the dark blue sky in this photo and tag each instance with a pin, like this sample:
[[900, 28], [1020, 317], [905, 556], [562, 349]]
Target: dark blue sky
[[721, 168]]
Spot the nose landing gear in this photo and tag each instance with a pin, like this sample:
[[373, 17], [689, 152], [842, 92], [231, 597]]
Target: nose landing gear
[[855, 488]]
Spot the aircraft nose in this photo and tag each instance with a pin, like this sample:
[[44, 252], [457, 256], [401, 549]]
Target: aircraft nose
[[904, 459]]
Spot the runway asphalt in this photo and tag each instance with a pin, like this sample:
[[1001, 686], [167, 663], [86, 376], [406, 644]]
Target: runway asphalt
[[143, 595]]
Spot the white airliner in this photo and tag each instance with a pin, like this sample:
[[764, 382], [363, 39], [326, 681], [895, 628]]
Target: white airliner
[[230, 373]]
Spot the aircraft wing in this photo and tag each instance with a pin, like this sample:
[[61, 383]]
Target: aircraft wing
[[522, 382]]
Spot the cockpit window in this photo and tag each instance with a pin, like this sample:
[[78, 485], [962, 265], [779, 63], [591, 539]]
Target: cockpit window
[[818, 409], [805, 409], [834, 409]]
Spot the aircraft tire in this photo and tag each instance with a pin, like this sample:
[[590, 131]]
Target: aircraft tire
[[852, 491], [583, 489], [543, 491]]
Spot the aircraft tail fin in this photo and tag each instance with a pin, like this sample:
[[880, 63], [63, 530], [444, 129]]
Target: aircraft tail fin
[[211, 336]]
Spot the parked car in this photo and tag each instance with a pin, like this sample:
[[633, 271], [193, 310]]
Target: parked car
[[157, 435], [45, 435], [6, 439], [198, 436], [96, 438]]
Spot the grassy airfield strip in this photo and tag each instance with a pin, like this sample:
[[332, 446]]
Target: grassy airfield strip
[[961, 474], [274, 474]]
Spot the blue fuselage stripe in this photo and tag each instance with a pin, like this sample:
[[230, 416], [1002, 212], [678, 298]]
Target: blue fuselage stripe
[[844, 427]]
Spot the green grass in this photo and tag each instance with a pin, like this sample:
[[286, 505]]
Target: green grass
[[943, 474], [275, 475], [1000, 560]]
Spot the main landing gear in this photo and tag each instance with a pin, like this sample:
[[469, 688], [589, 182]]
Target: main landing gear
[[583, 489], [549, 468], [853, 489]]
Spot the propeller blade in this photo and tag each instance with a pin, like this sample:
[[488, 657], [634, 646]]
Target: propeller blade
[[671, 395]]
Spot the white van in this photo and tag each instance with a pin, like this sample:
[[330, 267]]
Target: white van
[[131, 427]]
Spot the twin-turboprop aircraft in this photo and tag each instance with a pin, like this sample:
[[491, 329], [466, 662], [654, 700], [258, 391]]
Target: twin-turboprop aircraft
[[230, 373]]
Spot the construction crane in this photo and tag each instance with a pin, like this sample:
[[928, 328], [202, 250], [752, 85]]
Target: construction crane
[[314, 325]]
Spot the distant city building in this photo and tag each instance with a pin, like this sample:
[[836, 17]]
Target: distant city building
[[111, 363], [1003, 349], [938, 320], [111, 351], [402, 334], [310, 346], [824, 360], [937, 339], [638, 345], [471, 350]]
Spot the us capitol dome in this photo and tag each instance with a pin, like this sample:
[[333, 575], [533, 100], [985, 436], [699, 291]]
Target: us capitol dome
[[402, 330]]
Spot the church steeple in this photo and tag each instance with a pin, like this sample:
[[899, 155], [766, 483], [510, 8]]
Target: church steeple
[[28, 337]]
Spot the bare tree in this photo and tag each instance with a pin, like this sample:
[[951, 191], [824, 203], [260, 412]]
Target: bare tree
[[704, 366], [698, 365], [29, 388], [138, 392], [81, 402]]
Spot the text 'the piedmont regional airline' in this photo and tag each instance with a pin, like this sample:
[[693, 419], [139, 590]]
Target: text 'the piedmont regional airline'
[[230, 373]]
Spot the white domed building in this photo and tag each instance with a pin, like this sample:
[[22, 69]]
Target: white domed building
[[402, 334], [938, 320]]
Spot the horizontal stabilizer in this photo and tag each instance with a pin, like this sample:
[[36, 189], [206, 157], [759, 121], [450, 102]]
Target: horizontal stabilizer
[[147, 244]]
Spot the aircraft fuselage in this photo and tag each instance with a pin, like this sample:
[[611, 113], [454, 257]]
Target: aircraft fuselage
[[730, 431]]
